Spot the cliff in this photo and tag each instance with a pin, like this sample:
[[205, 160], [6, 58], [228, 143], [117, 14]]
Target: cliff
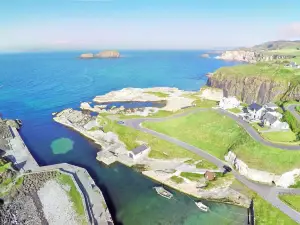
[[249, 85], [251, 56]]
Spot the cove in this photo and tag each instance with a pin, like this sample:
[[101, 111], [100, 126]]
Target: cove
[[34, 85]]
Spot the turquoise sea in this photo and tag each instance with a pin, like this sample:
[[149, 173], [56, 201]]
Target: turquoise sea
[[34, 85]]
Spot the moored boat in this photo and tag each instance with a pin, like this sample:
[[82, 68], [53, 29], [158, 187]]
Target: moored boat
[[201, 206], [163, 192]]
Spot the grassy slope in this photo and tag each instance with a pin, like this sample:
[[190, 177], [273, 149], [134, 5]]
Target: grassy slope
[[291, 200], [74, 195], [191, 176], [160, 149], [287, 136], [158, 94], [265, 213], [217, 134], [261, 70]]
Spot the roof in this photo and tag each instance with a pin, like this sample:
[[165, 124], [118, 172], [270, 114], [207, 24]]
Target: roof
[[140, 149], [210, 175], [245, 110], [269, 117], [254, 106], [271, 105]]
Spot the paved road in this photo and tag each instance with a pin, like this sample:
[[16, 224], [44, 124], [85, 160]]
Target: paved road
[[269, 193], [292, 109]]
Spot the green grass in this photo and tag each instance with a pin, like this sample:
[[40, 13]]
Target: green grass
[[298, 108], [94, 128], [74, 195], [158, 94], [191, 176], [259, 128], [5, 167], [265, 213], [283, 136], [235, 110], [292, 200], [204, 103], [261, 70], [177, 180], [160, 149], [297, 183], [216, 134]]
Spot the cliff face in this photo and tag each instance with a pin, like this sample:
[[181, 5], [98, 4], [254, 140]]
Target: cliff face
[[254, 88], [251, 56]]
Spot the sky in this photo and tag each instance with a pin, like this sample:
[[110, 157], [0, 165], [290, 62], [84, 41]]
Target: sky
[[32, 25]]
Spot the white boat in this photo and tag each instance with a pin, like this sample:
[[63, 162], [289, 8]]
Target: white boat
[[163, 192], [201, 206]]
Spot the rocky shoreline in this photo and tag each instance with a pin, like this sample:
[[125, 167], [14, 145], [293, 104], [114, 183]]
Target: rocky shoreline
[[21, 183], [112, 150]]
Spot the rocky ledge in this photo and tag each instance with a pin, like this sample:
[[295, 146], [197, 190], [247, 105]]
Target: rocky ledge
[[104, 54]]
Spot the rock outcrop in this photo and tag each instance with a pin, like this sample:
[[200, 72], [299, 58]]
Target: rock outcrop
[[205, 55], [251, 56], [104, 54], [255, 88]]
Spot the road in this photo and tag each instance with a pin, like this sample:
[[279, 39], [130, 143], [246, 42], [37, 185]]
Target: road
[[269, 193], [292, 109]]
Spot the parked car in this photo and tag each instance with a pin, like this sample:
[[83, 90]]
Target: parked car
[[120, 122], [227, 169]]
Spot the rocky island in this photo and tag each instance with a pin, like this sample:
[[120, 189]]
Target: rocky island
[[101, 55]]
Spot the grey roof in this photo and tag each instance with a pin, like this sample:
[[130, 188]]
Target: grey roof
[[269, 117], [254, 106], [271, 104], [245, 110], [140, 149]]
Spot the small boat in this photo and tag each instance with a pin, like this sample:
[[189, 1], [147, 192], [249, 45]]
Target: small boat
[[163, 192], [201, 206]]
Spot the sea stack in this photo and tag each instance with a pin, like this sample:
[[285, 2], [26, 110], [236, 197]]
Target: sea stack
[[87, 56]]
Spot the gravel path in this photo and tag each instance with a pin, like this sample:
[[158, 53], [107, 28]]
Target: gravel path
[[57, 207]]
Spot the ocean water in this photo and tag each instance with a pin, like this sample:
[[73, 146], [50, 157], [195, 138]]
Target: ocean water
[[34, 85]]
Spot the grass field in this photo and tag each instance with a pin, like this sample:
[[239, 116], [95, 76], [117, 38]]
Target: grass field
[[158, 94], [284, 136], [177, 180], [217, 134], [235, 110], [192, 176], [291, 200], [204, 103], [160, 149], [74, 195], [265, 213], [263, 70]]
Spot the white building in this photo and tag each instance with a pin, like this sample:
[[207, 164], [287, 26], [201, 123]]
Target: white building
[[256, 111], [229, 103], [139, 152]]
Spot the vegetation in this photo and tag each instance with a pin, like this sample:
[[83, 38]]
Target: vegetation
[[283, 136], [74, 195], [177, 180], [216, 134], [258, 127], [265, 213], [263, 70], [158, 94], [293, 122], [204, 103], [235, 110], [160, 149], [191, 176], [298, 108], [297, 183], [291, 200]]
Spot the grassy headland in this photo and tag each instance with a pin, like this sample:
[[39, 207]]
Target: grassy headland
[[216, 134]]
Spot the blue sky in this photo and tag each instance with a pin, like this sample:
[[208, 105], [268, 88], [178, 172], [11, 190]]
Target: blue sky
[[144, 24]]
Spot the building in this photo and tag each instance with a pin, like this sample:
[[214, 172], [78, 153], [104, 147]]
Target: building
[[256, 111], [229, 103], [280, 125], [209, 175], [271, 106], [139, 152], [293, 65]]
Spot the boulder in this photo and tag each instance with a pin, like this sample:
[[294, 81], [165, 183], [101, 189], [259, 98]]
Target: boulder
[[12, 123]]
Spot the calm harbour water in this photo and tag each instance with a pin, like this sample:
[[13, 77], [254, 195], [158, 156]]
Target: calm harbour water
[[34, 85]]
